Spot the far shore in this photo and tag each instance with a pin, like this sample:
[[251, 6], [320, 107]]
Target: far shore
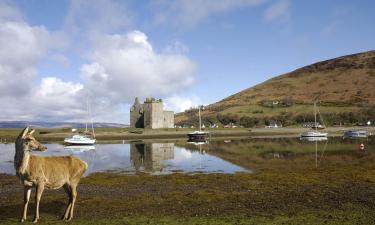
[[128, 134]]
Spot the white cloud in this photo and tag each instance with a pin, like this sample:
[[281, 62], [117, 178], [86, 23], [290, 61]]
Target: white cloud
[[22, 46], [125, 66], [8, 12], [191, 12], [278, 11], [180, 104]]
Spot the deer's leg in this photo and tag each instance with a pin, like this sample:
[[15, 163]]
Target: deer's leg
[[74, 196], [26, 198], [69, 193], [38, 195]]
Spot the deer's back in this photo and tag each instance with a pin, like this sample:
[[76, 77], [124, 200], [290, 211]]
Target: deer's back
[[55, 171]]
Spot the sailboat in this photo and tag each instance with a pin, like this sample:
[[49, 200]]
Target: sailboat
[[198, 135], [85, 138], [315, 133]]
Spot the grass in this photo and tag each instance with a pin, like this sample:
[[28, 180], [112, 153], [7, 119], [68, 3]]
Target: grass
[[248, 110], [341, 190]]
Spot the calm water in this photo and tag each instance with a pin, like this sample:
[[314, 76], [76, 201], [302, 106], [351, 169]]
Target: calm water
[[154, 158], [220, 156]]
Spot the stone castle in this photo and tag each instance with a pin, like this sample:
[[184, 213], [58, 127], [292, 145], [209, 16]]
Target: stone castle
[[150, 114]]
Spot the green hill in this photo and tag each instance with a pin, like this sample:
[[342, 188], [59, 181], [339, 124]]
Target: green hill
[[343, 86]]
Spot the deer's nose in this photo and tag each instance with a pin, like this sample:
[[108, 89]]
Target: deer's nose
[[42, 148]]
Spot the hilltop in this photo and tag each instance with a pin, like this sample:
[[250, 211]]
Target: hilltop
[[343, 86]]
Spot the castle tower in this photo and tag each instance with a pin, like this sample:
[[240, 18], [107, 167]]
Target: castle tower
[[136, 115], [150, 114], [153, 113]]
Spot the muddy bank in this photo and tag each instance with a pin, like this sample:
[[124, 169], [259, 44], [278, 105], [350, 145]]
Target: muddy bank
[[323, 195]]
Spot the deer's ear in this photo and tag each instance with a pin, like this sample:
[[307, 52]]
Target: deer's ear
[[24, 132], [32, 131]]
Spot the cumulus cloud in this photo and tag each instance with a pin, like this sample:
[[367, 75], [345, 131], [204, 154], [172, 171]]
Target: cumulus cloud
[[119, 67], [278, 11], [22, 47], [124, 66], [191, 12], [180, 104]]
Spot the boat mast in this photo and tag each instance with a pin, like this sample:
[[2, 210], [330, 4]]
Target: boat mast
[[89, 117], [87, 110], [199, 114], [316, 126]]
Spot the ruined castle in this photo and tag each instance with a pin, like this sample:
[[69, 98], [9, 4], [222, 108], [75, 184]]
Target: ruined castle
[[150, 114]]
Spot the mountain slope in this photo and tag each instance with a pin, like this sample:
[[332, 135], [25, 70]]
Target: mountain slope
[[343, 84]]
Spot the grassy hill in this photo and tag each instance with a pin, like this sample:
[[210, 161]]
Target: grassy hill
[[344, 88]]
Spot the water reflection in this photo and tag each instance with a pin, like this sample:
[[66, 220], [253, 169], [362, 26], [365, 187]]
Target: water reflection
[[153, 158], [79, 148], [150, 157], [218, 156]]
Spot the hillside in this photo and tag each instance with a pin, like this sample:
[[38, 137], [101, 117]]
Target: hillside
[[342, 85]]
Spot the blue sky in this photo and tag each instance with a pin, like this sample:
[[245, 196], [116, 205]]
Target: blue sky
[[187, 52]]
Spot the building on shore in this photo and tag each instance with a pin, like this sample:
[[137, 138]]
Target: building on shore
[[150, 114]]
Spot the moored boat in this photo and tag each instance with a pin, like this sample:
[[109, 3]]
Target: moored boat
[[355, 134], [198, 135], [79, 139], [85, 138], [315, 133]]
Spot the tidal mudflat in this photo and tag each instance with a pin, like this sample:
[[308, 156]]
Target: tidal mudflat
[[269, 181]]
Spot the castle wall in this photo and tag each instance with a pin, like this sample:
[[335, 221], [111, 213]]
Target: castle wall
[[150, 115], [168, 119], [153, 115], [136, 118]]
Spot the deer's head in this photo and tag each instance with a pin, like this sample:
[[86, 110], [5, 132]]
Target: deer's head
[[29, 142]]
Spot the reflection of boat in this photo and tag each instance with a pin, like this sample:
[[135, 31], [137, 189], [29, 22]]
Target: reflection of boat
[[198, 142], [198, 135], [314, 133], [355, 134], [79, 148], [83, 139], [316, 138]]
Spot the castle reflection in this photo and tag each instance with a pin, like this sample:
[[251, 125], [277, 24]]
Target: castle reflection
[[149, 157]]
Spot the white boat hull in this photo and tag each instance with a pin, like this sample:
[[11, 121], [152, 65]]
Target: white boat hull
[[313, 134], [79, 140]]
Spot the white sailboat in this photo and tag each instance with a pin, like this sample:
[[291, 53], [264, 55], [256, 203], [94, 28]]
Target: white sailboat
[[315, 133], [85, 138], [198, 135]]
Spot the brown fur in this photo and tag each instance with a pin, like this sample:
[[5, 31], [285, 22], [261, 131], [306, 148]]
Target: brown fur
[[51, 172]]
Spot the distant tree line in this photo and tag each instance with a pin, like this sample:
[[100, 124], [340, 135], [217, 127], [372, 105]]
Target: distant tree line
[[285, 118]]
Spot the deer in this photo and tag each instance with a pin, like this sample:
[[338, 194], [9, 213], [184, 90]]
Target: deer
[[45, 172]]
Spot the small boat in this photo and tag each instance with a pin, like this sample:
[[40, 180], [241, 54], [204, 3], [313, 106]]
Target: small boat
[[198, 135], [315, 133], [85, 138], [79, 139], [355, 134]]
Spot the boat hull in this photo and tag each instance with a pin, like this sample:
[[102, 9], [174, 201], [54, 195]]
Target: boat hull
[[313, 134], [79, 140], [91, 142], [197, 136], [355, 134]]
